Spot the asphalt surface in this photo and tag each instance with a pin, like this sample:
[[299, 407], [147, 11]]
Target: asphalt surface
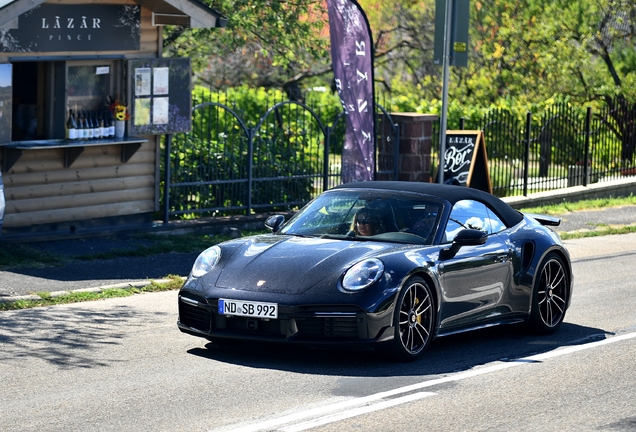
[[128, 271]]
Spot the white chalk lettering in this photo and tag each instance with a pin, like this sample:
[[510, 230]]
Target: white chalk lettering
[[455, 159]]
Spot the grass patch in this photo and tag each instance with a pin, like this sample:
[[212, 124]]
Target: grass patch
[[13, 255], [602, 230], [174, 283], [594, 204]]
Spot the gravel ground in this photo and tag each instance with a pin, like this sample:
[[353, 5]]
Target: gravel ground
[[98, 273]]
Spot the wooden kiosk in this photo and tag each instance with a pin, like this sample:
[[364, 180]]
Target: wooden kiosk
[[58, 56]]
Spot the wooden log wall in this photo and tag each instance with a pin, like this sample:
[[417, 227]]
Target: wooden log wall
[[39, 190]]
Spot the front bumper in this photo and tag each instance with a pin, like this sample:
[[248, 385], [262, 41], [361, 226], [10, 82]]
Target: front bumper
[[308, 324]]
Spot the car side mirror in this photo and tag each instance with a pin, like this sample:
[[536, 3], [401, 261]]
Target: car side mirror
[[273, 223], [466, 237], [470, 237]]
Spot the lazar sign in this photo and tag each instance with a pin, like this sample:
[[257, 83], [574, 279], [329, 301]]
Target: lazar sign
[[50, 27]]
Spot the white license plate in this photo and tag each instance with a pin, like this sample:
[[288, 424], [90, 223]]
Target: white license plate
[[248, 308]]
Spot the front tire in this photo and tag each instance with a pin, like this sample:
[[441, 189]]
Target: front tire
[[550, 296], [414, 320]]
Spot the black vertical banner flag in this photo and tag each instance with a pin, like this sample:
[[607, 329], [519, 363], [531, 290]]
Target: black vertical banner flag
[[352, 58]]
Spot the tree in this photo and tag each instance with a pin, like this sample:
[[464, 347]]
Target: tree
[[265, 42], [606, 32]]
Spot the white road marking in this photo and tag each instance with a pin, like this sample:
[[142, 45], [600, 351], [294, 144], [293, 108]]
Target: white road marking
[[332, 418], [375, 402]]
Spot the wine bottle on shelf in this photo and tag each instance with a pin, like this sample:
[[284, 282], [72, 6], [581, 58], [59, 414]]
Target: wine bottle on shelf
[[81, 134], [91, 127], [95, 125], [71, 126], [98, 128], [100, 125], [91, 122], [87, 133]]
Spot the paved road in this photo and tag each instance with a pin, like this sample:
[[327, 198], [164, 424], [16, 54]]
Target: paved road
[[122, 365], [98, 273]]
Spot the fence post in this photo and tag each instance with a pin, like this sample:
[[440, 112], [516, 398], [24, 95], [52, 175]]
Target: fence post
[[396, 153], [586, 159], [461, 123], [250, 167], [325, 165], [166, 180], [526, 153]]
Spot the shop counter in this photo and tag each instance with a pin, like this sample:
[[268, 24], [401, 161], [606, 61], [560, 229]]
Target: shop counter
[[72, 149]]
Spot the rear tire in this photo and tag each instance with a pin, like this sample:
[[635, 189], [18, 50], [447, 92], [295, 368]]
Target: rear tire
[[550, 295], [414, 320]]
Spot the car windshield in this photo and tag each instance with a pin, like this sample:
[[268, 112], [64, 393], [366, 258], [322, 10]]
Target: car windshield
[[368, 215]]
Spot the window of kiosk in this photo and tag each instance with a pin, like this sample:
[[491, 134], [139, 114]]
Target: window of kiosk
[[45, 92], [88, 88], [30, 101]]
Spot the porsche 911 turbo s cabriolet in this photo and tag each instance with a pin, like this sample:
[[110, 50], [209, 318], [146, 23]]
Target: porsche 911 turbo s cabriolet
[[389, 264]]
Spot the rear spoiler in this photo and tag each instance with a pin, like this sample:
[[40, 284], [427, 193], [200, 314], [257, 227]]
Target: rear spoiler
[[545, 219]]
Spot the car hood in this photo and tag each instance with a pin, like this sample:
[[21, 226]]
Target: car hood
[[292, 265]]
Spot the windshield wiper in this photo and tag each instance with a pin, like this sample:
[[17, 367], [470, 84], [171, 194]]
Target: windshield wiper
[[301, 235]]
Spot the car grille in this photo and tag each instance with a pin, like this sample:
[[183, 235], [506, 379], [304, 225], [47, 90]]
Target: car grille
[[193, 316], [330, 328], [329, 322]]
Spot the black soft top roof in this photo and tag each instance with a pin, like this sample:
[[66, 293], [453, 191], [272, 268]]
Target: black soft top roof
[[450, 193]]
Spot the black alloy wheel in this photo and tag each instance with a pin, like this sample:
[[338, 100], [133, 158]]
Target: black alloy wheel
[[550, 295], [414, 320]]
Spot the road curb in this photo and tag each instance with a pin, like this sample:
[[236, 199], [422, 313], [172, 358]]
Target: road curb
[[96, 290]]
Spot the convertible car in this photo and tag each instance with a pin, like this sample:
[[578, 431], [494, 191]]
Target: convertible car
[[388, 264]]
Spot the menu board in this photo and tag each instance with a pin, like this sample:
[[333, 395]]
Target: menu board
[[161, 96], [465, 160]]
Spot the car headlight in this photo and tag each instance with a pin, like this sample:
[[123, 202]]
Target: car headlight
[[363, 274], [206, 261]]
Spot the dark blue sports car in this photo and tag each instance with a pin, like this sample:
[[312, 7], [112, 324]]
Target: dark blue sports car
[[389, 264]]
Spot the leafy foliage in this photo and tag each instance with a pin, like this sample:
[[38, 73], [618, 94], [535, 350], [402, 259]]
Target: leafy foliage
[[522, 53], [265, 43]]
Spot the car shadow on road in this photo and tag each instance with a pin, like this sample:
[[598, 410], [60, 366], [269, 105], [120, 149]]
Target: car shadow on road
[[445, 355], [71, 339]]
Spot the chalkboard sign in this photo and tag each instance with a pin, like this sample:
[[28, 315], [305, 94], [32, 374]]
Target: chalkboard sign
[[161, 96], [465, 160]]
